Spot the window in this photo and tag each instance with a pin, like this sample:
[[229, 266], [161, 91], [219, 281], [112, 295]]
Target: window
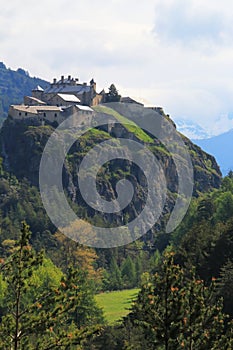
[[55, 115], [44, 114], [26, 113], [20, 113]]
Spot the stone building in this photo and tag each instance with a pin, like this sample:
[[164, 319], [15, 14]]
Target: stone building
[[38, 113], [86, 93], [51, 114], [60, 100]]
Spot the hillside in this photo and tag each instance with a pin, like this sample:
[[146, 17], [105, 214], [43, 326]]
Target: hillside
[[21, 148], [161, 263], [14, 85], [221, 148]]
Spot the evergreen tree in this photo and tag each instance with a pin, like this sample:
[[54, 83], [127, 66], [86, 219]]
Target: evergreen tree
[[175, 312], [115, 278], [112, 95], [46, 319], [225, 286], [128, 272], [139, 269]]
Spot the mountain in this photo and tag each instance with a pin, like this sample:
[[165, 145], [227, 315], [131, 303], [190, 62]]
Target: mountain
[[191, 129], [22, 144], [221, 148], [14, 85], [21, 147]]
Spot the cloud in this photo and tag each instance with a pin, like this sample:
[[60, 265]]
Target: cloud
[[192, 23], [105, 39], [177, 54]]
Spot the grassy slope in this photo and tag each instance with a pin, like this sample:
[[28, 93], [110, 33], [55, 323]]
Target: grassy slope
[[128, 124], [116, 304]]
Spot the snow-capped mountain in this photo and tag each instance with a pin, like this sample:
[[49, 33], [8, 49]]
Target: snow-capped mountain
[[220, 146], [191, 129]]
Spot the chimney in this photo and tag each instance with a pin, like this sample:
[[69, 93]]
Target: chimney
[[93, 84], [62, 78], [85, 84], [54, 81], [69, 77]]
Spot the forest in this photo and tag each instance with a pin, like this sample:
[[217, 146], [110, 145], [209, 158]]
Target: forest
[[14, 85], [49, 283], [47, 295]]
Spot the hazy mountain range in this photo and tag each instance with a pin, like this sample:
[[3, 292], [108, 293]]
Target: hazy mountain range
[[221, 148]]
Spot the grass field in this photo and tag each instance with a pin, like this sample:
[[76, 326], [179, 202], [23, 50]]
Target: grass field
[[116, 304], [128, 124]]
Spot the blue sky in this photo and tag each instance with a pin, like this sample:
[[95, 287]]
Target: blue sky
[[177, 54]]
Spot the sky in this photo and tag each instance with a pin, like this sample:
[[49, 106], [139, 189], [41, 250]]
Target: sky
[[177, 54]]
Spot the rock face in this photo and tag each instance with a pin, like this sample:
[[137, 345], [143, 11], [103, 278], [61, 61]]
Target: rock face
[[22, 146]]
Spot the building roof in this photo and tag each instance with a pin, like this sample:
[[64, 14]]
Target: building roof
[[38, 88], [68, 89], [36, 100], [69, 98], [84, 108], [36, 109]]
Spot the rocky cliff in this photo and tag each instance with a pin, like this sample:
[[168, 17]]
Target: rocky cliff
[[22, 145]]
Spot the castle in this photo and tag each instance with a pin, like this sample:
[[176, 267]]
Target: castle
[[60, 100]]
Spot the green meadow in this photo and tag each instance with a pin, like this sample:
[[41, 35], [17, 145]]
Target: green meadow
[[116, 304]]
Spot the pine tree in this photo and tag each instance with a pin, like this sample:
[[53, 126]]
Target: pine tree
[[128, 272], [225, 286], [115, 278], [112, 95], [44, 321], [139, 270], [175, 311]]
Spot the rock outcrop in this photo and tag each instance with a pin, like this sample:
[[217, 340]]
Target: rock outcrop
[[23, 144]]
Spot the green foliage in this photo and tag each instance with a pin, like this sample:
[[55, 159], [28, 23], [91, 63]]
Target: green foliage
[[47, 276], [115, 278], [20, 198], [205, 237], [128, 273], [225, 286], [128, 124], [222, 251], [175, 311], [3, 288], [112, 95], [14, 85], [224, 206], [20, 201], [47, 314], [155, 261]]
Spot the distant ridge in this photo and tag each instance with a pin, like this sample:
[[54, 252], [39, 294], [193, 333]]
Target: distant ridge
[[14, 85], [221, 147]]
